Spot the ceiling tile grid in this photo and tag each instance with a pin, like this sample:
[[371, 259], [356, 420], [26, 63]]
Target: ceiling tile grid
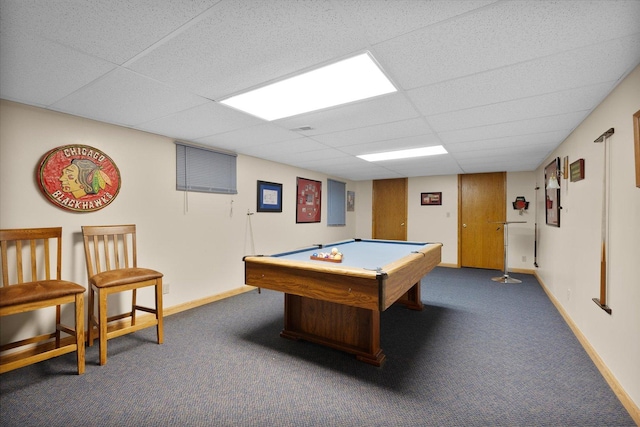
[[37, 71], [126, 98], [499, 83]]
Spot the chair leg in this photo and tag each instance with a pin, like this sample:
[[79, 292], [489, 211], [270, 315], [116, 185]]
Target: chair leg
[[159, 315], [102, 325], [134, 301], [79, 328], [90, 320], [58, 322]]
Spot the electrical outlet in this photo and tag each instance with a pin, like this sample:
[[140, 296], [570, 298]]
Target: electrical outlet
[[568, 294], [524, 258], [165, 288]]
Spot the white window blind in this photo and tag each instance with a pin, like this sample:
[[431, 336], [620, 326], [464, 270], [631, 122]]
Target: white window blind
[[336, 202], [203, 170]]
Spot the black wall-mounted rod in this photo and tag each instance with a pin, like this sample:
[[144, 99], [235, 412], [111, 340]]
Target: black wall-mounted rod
[[602, 137]]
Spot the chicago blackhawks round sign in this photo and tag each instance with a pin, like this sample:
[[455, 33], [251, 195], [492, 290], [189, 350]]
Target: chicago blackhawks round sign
[[78, 178]]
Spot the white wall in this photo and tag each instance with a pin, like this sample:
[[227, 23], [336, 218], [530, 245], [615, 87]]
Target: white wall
[[435, 223], [197, 240], [569, 256], [521, 249]]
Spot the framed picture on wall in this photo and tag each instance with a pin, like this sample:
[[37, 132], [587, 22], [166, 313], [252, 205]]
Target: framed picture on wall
[[433, 198], [269, 197], [308, 197], [351, 201], [552, 195]]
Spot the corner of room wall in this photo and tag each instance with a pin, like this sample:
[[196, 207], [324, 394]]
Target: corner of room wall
[[569, 256]]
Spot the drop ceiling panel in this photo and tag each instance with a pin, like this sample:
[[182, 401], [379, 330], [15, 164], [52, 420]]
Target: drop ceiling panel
[[382, 20], [573, 100], [114, 30], [379, 173], [519, 143], [374, 133], [500, 35], [392, 145], [201, 121], [265, 133], [560, 122], [573, 69], [424, 166], [284, 150], [38, 71], [325, 156], [522, 154], [342, 163], [383, 109], [126, 98], [242, 44]]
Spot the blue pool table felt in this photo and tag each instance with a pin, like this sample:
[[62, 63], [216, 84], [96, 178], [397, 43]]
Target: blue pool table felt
[[367, 254]]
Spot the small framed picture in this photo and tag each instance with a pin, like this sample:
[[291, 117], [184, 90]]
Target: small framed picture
[[269, 197], [577, 170], [433, 198], [351, 201]]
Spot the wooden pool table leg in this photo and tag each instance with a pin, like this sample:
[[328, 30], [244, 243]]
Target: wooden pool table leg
[[351, 329], [412, 299]]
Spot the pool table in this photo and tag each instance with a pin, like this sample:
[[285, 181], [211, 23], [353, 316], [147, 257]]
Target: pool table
[[338, 304]]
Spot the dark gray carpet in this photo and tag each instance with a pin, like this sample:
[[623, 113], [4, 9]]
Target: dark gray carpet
[[480, 354]]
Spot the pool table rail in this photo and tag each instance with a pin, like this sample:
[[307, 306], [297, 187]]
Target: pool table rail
[[344, 285], [406, 272]]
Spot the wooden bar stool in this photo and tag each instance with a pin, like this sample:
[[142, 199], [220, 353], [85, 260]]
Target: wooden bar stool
[[112, 267]]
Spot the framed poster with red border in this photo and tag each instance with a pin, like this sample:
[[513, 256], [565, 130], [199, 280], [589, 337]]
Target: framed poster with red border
[[308, 200], [78, 178]]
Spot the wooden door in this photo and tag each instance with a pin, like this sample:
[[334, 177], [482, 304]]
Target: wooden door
[[389, 209], [482, 202]]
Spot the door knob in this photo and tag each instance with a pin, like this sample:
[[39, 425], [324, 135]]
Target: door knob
[[402, 224], [464, 225]]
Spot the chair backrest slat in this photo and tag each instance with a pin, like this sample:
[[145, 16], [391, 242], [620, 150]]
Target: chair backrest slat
[[116, 251], [133, 246], [37, 258], [19, 261], [34, 267], [106, 252], [5, 264]]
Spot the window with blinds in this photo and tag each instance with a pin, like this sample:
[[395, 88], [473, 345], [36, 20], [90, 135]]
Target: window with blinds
[[205, 170], [336, 202]]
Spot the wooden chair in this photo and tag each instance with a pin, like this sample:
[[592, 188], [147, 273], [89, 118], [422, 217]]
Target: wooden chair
[[29, 283], [111, 256]]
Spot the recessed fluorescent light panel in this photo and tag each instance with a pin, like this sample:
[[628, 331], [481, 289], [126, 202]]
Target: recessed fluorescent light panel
[[346, 81], [404, 154]]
